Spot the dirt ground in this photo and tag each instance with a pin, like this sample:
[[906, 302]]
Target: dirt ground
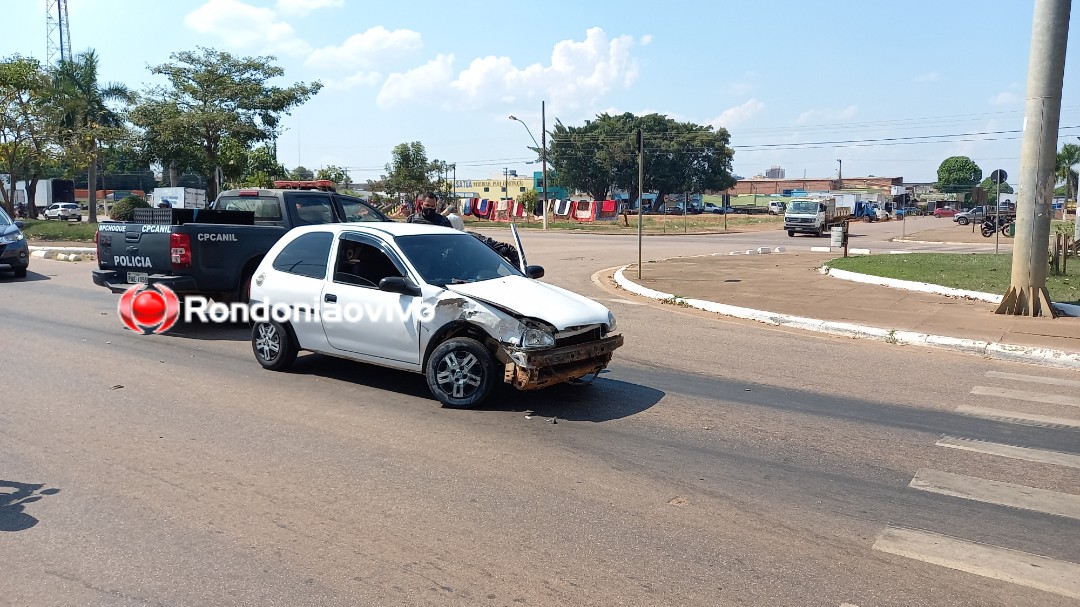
[[952, 232]]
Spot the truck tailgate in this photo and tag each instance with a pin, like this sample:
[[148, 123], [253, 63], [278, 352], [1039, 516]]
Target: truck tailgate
[[139, 249]]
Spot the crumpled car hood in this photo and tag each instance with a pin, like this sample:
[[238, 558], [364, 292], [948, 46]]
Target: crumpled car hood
[[528, 297]]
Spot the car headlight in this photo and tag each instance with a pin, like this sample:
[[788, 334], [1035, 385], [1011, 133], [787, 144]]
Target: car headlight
[[10, 238], [610, 321], [537, 338]]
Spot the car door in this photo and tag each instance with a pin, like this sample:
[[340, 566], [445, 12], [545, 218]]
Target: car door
[[358, 317]]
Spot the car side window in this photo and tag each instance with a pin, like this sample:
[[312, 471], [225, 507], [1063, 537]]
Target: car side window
[[363, 264], [312, 208], [308, 255], [358, 210]]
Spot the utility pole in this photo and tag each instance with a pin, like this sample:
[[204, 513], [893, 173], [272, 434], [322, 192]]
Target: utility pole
[[543, 157], [1027, 295], [641, 193]]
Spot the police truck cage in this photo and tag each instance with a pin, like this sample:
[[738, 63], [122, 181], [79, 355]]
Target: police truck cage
[[318, 184]]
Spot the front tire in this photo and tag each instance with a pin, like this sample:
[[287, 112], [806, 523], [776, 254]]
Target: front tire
[[962, 221], [461, 373], [791, 233], [273, 345]]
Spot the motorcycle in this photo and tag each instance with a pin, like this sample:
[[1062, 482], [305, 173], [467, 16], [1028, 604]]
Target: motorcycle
[[990, 226]]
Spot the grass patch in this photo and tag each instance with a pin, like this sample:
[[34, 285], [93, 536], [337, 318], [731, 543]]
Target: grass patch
[[652, 224], [984, 272], [78, 231]]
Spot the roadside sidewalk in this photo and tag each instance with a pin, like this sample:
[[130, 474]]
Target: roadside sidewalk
[[788, 289]]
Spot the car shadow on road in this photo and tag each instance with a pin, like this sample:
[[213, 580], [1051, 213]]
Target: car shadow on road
[[31, 276], [211, 331], [603, 400], [13, 516]]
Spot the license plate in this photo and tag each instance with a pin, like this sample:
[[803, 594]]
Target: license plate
[[136, 277]]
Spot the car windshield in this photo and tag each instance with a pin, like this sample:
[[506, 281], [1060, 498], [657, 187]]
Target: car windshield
[[444, 259], [804, 206]]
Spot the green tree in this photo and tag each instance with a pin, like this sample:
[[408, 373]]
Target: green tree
[[408, 172], [338, 175], [991, 188], [215, 96], [678, 156], [87, 120], [958, 175], [1067, 158], [528, 200], [301, 173], [27, 121]]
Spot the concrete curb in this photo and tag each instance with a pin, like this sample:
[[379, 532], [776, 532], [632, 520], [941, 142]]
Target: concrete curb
[[993, 350], [81, 250], [1067, 309]]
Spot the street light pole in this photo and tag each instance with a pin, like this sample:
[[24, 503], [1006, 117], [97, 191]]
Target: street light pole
[[543, 152]]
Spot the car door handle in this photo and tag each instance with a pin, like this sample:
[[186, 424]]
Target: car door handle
[[330, 297]]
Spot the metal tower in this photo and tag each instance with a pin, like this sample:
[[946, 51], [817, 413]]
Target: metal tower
[[58, 31]]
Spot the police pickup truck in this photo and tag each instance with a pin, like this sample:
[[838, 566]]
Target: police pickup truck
[[214, 252]]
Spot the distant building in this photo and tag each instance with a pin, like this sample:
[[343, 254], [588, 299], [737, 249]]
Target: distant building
[[774, 172]]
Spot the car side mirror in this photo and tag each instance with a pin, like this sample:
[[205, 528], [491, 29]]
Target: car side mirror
[[20, 224], [534, 271], [399, 284]]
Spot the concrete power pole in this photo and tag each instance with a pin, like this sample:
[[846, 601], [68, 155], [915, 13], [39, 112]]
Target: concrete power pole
[[1027, 295]]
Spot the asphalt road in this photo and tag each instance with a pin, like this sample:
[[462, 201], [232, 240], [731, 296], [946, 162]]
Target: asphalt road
[[717, 462]]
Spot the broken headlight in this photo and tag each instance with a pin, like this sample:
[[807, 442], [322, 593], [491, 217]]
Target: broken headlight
[[534, 337], [610, 322]]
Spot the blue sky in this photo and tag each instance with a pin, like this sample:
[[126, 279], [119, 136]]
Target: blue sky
[[777, 75]]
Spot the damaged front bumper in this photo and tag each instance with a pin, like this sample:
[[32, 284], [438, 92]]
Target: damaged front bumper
[[534, 369]]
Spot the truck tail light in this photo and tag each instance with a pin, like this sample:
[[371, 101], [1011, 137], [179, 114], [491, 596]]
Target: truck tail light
[[180, 250]]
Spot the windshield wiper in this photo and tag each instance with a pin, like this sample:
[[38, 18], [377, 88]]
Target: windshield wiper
[[459, 281]]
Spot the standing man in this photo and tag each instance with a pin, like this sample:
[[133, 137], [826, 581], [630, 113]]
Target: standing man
[[429, 212]]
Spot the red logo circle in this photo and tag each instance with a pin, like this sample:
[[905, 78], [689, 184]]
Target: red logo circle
[[147, 310]]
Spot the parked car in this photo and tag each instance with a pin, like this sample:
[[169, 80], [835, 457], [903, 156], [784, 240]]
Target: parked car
[[64, 210], [478, 321], [945, 212], [14, 252], [970, 216], [712, 208]]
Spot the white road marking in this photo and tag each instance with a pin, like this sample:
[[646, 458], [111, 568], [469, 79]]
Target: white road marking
[[1034, 379], [1021, 568], [1034, 397], [627, 302], [1015, 417], [997, 492], [1025, 453]]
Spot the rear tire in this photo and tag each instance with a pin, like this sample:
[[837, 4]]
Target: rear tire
[[461, 373], [273, 345]]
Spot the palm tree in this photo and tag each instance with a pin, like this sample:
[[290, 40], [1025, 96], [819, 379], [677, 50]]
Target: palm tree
[[87, 117], [1066, 158]]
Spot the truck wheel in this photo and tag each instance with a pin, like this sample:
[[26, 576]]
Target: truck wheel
[[790, 233], [273, 345], [461, 373], [962, 221]]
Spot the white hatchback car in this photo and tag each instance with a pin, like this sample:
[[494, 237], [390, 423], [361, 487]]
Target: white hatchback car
[[64, 210], [427, 299]]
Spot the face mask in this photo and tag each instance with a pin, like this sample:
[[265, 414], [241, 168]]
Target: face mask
[[429, 213]]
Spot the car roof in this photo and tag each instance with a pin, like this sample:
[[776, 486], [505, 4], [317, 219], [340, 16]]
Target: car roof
[[383, 228]]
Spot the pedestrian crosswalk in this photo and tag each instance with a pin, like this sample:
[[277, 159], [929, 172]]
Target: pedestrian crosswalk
[[1039, 409]]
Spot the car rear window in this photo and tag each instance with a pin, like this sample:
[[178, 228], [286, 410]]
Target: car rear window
[[266, 208]]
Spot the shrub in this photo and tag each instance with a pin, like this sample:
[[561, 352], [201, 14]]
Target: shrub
[[125, 209]]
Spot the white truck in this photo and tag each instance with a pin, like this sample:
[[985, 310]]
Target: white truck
[[815, 215], [178, 198]]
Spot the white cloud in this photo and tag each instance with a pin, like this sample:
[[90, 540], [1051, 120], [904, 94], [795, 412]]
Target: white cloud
[[646, 40], [737, 115], [367, 49], [928, 77], [580, 73], [245, 26], [1005, 98], [817, 116], [303, 7], [430, 79], [357, 79]]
